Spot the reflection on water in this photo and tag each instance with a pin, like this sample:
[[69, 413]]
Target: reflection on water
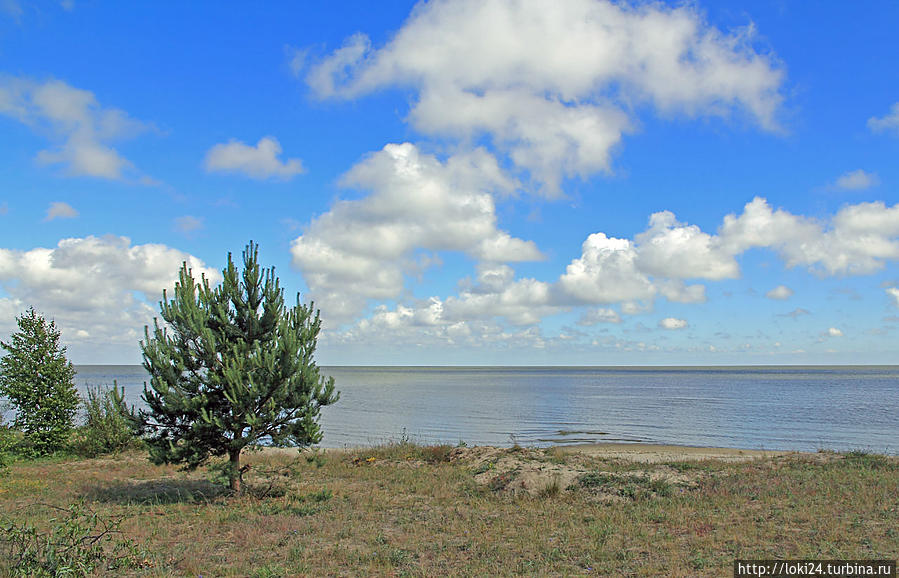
[[793, 408]]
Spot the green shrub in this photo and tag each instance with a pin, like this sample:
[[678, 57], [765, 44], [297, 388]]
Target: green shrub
[[79, 542], [110, 425]]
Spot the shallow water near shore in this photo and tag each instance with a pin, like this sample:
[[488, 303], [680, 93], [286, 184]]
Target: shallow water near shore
[[775, 408]]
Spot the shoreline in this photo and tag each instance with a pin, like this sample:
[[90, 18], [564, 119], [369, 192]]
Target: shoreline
[[634, 452], [655, 453]]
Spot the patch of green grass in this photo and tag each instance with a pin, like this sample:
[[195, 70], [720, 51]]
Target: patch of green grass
[[405, 450], [633, 487], [597, 480]]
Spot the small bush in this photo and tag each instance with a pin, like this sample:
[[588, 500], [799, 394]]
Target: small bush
[[110, 425], [552, 489], [7, 442], [436, 454], [80, 542], [316, 457], [596, 480], [868, 460]]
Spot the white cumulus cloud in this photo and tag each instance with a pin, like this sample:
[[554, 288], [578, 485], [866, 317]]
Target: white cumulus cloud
[[99, 286], [257, 162], [606, 272], [834, 332], [360, 249], [674, 250], [857, 240], [81, 129], [60, 210], [553, 83]]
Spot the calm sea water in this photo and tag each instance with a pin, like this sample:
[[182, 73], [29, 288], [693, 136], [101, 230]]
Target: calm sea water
[[788, 408]]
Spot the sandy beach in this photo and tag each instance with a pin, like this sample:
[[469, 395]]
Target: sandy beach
[[632, 452], [657, 453]]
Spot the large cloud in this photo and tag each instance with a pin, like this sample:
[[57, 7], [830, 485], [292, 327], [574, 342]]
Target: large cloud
[[360, 249], [81, 128], [552, 82], [674, 250], [657, 263], [857, 241], [98, 289], [606, 272]]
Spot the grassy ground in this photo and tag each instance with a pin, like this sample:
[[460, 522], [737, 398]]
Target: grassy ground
[[409, 510]]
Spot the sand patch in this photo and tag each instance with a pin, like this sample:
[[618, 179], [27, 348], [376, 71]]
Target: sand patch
[[551, 471]]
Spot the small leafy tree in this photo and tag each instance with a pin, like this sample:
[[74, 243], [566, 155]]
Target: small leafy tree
[[234, 367], [39, 382]]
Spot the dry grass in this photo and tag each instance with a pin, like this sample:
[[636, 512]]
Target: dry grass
[[404, 509]]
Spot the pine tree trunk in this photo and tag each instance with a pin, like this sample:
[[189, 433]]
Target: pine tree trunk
[[234, 471]]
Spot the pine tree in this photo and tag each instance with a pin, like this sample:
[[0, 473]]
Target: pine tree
[[39, 383], [234, 367]]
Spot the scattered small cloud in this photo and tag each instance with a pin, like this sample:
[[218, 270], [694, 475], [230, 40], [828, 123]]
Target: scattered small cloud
[[188, 224], [599, 315], [795, 313], [834, 332], [780, 293], [857, 180], [672, 323], [259, 162], [894, 293], [887, 123], [60, 210]]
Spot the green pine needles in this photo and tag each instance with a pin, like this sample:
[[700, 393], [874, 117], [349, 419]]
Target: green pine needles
[[233, 367], [39, 383]]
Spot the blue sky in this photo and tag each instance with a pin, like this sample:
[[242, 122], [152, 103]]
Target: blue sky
[[464, 182]]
